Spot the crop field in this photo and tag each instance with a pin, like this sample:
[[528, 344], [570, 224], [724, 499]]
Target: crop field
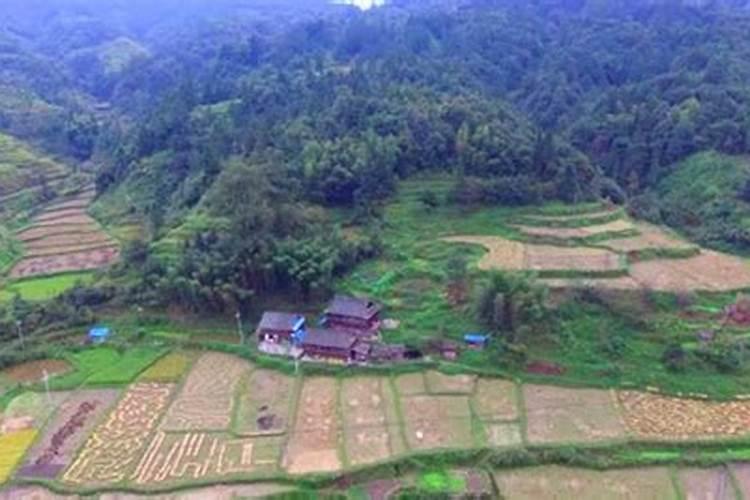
[[411, 384], [45, 287], [561, 415], [365, 420], [31, 409], [66, 431], [501, 253], [563, 483], [710, 271], [265, 403], [169, 368], [496, 400], [649, 238], [178, 457], [661, 417], [12, 448], [315, 441], [205, 401], [714, 483], [433, 422], [618, 226], [102, 366], [113, 450], [439, 383], [33, 371], [64, 238]]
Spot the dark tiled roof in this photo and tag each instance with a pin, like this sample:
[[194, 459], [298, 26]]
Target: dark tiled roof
[[332, 339], [353, 307], [279, 321]]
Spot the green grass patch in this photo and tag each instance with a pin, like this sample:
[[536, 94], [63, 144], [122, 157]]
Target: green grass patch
[[44, 288], [105, 365], [441, 482], [583, 220]]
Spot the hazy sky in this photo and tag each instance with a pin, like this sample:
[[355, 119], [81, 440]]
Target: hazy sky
[[366, 4]]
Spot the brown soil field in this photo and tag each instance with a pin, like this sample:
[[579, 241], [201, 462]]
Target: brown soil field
[[366, 434], [411, 384], [709, 271], [265, 403], [206, 401], [33, 371], [65, 433], [36, 232], [437, 422], [577, 232], [496, 400], [439, 383], [563, 483], [650, 237], [741, 473], [502, 253], [180, 457], [81, 261], [655, 416], [69, 239], [67, 250], [54, 215], [551, 258], [562, 415], [314, 442], [69, 220], [706, 484], [113, 450]]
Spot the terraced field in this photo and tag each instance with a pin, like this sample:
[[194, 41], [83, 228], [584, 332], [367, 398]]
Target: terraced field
[[94, 438], [64, 238]]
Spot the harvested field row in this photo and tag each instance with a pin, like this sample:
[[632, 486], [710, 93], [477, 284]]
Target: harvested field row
[[68, 249], [650, 238], [617, 226], [512, 255], [63, 436], [195, 456], [76, 203], [709, 271], [55, 215], [660, 417], [67, 240], [206, 400], [81, 261], [37, 232], [115, 446], [74, 219]]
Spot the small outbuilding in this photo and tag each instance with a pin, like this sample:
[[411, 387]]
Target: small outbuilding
[[99, 334], [476, 340], [360, 316], [279, 327]]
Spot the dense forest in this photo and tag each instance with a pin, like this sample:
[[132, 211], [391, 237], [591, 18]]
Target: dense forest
[[247, 134]]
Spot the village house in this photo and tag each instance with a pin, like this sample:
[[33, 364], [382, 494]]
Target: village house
[[358, 316], [280, 328], [327, 344]]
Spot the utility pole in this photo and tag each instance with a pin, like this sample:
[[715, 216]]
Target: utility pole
[[20, 334], [46, 387], [240, 331]]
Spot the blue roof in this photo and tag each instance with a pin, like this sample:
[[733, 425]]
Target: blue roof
[[100, 331], [475, 338]]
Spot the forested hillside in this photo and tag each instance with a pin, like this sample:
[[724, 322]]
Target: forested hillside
[[282, 121]]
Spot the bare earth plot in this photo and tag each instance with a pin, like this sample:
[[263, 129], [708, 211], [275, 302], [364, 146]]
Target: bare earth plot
[[65, 238], [510, 255], [66, 431], [366, 433], [314, 443], [116, 446], [433, 422], [411, 384], [561, 483], [265, 403], [562, 415], [33, 371], [707, 484], [741, 473], [440, 383], [495, 403], [617, 226], [649, 238], [206, 400], [709, 271], [655, 416]]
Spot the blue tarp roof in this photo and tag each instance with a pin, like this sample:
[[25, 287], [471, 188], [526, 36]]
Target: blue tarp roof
[[475, 338], [100, 331]]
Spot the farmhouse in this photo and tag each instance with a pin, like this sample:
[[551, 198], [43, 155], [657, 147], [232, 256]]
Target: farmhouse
[[360, 316], [278, 328], [326, 343]]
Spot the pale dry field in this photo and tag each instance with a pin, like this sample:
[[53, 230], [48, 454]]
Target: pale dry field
[[366, 432], [709, 271], [440, 383], [650, 238], [502, 253], [434, 422]]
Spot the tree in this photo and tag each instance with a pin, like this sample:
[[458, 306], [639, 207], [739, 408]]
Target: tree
[[429, 199]]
